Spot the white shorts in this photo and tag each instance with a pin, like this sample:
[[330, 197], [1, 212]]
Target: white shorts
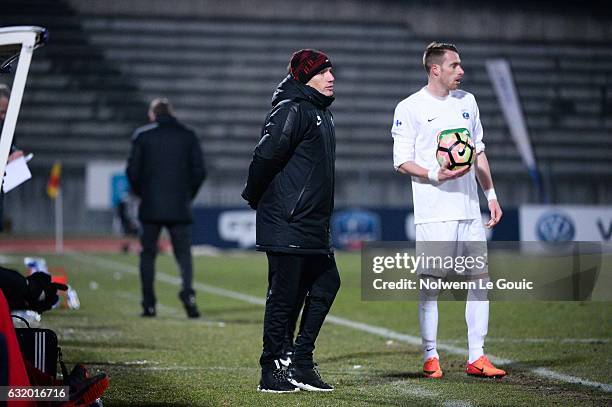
[[459, 239], [469, 230]]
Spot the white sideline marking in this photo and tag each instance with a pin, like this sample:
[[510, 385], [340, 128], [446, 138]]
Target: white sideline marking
[[420, 392], [588, 341], [423, 393], [360, 326], [453, 403]]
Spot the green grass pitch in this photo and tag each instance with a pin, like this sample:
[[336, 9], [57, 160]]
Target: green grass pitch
[[170, 360]]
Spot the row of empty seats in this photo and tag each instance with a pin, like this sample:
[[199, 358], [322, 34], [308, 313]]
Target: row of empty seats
[[90, 87]]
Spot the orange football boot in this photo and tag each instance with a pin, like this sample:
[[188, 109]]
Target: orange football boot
[[482, 367], [431, 368]]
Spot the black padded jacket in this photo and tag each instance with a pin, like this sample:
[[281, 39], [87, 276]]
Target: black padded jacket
[[291, 175]]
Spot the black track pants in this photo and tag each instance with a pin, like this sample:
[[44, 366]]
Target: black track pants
[[289, 276]]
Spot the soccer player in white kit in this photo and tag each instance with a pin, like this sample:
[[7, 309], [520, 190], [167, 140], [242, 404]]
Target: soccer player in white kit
[[446, 204]]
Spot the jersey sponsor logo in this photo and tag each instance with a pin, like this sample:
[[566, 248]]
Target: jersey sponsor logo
[[466, 115]]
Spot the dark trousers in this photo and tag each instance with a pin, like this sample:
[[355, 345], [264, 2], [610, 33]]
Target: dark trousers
[[288, 345], [289, 275], [180, 235]]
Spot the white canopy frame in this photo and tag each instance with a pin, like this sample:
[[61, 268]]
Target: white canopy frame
[[30, 38]]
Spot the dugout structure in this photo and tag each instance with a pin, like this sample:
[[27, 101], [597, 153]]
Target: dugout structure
[[17, 44]]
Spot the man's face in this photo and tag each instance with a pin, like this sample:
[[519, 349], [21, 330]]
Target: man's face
[[3, 106], [323, 82], [450, 70]]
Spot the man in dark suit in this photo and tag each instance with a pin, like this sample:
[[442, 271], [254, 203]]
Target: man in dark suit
[[165, 169]]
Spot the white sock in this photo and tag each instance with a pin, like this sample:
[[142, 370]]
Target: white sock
[[477, 318], [428, 319]]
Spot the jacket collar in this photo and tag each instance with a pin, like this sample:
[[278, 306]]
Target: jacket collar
[[165, 119], [289, 88]]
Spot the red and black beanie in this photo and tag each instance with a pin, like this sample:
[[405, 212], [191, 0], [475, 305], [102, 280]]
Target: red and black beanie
[[306, 63]]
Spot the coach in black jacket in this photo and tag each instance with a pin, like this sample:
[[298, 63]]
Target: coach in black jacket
[[165, 169], [291, 184]]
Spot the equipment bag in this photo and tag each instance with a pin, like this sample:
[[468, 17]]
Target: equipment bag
[[39, 347]]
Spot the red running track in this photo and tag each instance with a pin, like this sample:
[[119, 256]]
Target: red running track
[[87, 244]]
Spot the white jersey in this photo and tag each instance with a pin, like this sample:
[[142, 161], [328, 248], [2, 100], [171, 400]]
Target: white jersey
[[418, 121]]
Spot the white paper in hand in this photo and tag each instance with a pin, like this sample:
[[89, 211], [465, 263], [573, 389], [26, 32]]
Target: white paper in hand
[[17, 172]]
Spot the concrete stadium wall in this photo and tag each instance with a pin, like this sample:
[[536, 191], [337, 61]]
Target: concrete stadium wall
[[447, 20]]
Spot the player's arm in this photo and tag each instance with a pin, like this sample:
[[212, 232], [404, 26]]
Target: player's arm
[[483, 174], [404, 141], [434, 175]]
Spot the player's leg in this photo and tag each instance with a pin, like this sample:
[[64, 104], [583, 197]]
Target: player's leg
[[473, 243], [323, 281], [180, 235], [472, 235], [428, 242], [477, 319], [148, 240], [428, 322]]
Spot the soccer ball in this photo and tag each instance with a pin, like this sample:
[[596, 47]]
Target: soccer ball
[[455, 149]]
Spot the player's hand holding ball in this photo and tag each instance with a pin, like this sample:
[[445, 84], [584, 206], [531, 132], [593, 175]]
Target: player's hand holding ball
[[445, 173]]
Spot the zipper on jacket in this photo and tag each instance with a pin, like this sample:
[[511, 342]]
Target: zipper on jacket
[[301, 193]]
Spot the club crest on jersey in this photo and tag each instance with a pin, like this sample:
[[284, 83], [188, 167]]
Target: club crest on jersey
[[466, 115], [398, 123], [319, 120]]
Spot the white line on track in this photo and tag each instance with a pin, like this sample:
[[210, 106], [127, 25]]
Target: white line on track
[[360, 326]]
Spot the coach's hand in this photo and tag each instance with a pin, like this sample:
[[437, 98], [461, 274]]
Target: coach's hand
[[15, 155], [42, 293], [496, 213], [445, 174]]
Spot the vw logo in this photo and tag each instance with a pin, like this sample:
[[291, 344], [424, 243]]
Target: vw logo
[[555, 227]]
